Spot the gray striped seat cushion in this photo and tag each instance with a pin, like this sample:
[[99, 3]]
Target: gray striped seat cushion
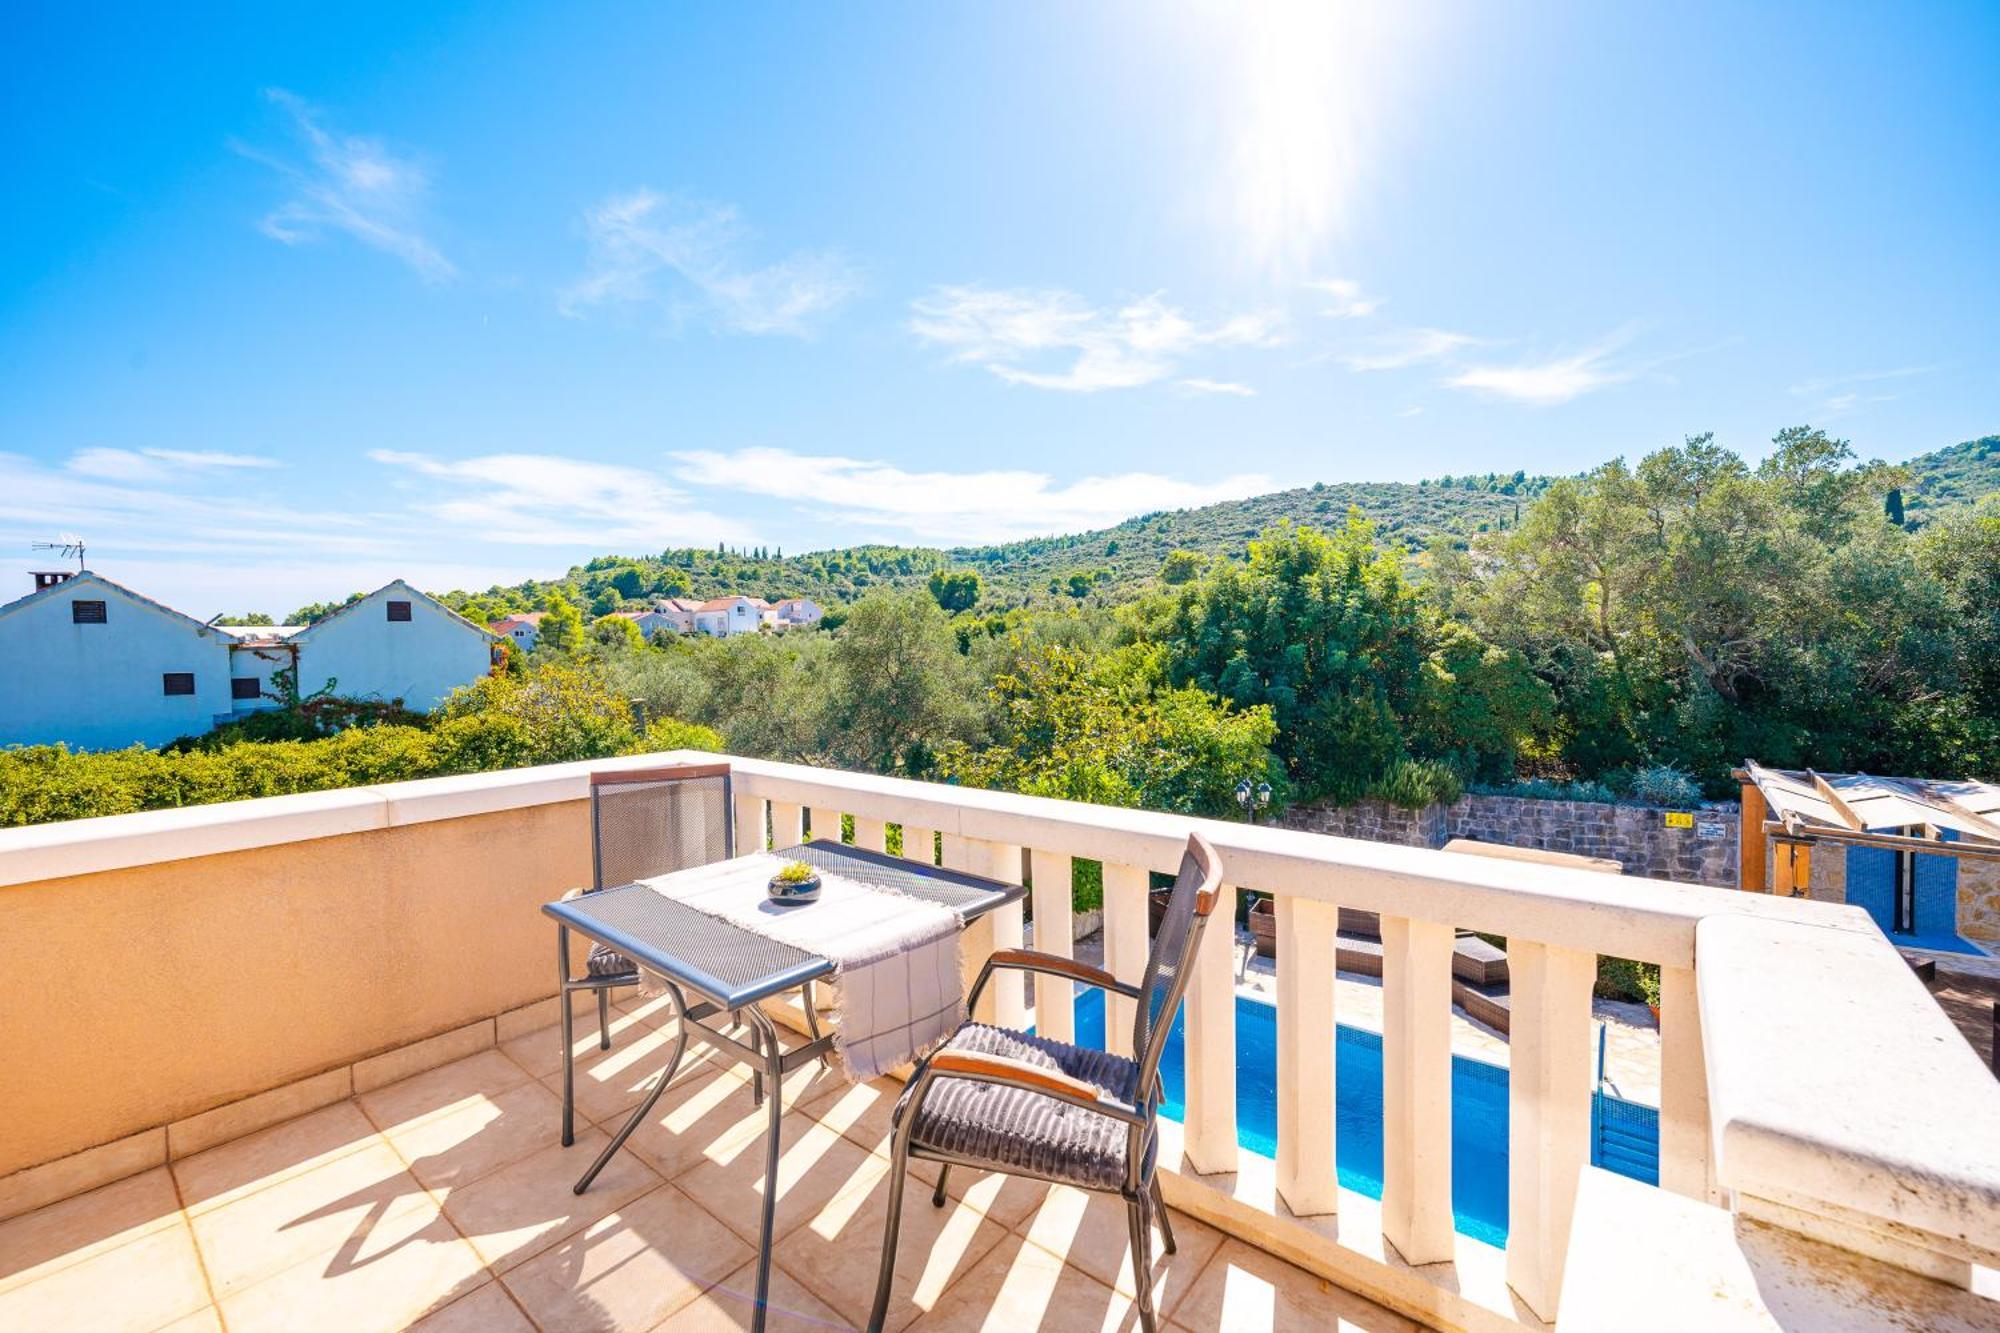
[[605, 961], [1019, 1130]]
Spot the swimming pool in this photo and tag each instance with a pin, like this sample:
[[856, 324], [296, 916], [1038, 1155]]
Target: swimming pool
[[1625, 1135]]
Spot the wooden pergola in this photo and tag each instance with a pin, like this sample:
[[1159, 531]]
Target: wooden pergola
[[1791, 810]]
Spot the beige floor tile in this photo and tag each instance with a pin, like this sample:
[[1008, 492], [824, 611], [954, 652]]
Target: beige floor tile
[[1008, 1200], [864, 1112], [1243, 1287], [63, 1234], [814, 1165], [628, 1270], [610, 1083], [204, 1320], [1090, 1231], [348, 1212], [138, 1286], [861, 1111], [441, 1091], [695, 1119], [390, 1290], [657, 1011], [1019, 1286], [835, 1252], [522, 1209], [450, 1151], [730, 1304], [213, 1178], [488, 1309], [540, 1053]]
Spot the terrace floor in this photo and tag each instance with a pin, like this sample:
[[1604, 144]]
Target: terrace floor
[[444, 1202]]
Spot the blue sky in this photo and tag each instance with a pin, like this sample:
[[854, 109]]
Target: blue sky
[[295, 299]]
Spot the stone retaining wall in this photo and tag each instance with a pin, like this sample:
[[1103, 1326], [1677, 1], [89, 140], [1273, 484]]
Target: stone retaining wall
[[1638, 836]]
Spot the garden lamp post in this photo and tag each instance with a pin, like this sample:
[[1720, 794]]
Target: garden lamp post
[[1252, 797]]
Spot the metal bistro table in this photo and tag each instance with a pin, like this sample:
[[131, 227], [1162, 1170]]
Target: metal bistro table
[[729, 971]]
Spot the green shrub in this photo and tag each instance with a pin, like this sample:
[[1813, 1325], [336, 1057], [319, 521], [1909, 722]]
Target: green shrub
[[546, 715], [1664, 784], [1623, 979], [1415, 784]]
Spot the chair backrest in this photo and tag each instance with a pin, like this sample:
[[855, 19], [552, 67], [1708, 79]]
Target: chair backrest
[[651, 821], [1196, 890]]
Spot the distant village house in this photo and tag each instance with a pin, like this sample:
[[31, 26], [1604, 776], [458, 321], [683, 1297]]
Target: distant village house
[[90, 663]]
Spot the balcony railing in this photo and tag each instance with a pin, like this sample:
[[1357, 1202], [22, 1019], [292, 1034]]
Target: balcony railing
[[160, 968]]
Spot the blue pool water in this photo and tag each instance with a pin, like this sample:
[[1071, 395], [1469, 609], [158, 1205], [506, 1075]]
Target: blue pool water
[[1625, 1134]]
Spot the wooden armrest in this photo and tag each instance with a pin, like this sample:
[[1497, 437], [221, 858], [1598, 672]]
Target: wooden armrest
[[1034, 960], [1018, 1072]]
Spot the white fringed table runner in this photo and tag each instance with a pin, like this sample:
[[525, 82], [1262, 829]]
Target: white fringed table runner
[[898, 990]]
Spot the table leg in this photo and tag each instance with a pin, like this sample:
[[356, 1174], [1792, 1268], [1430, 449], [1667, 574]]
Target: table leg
[[568, 1036], [645, 1107], [774, 1064]]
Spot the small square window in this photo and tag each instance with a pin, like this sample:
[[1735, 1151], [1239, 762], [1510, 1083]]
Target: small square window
[[177, 682], [399, 610], [86, 613], [245, 687]]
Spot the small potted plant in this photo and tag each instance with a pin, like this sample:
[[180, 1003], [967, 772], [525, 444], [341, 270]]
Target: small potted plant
[[795, 882]]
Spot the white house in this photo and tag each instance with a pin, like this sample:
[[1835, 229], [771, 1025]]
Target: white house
[[520, 630], [395, 643], [726, 617], [91, 663], [796, 613], [257, 653]]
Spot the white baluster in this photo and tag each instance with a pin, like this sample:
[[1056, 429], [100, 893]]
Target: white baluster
[[1416, 1089], [1055, 1014], [1306, 1175], [1005, 1001], [920, 844], [749, 823], [1210, 1140], [871, 834], [1548, 1108], [825, 824], [1685, 1165], [787, 824], [1126, 939]]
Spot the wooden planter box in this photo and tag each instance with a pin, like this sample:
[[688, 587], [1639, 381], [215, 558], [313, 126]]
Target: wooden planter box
[[1264, 927]]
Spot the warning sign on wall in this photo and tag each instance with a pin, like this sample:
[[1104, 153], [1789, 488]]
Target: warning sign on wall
[[1680, 819]]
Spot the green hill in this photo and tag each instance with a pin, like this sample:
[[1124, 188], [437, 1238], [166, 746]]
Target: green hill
[[1964, 474], [1111, 564]]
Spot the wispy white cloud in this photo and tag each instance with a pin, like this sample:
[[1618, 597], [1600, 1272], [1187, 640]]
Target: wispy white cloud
[[1838, 395], [952, 507], [1054, 339], [682, 255], [1227, 387], [1400, 349], [1411, 412], [1345, 299], [352, 185], [157, 464], [543, 500], [1551, 381]]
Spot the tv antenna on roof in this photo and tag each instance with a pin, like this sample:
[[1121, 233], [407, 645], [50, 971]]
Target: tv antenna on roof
[[68, 543]]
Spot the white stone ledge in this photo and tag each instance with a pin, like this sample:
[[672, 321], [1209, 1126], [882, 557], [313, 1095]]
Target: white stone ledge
[[120, 842], [1627, 917], [1838, 1087], [1649, 920]]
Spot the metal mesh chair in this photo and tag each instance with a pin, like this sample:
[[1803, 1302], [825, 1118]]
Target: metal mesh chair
[[1000, 1100], [644, 822]]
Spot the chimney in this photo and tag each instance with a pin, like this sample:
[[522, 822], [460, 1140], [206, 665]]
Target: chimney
[[49, 578]]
